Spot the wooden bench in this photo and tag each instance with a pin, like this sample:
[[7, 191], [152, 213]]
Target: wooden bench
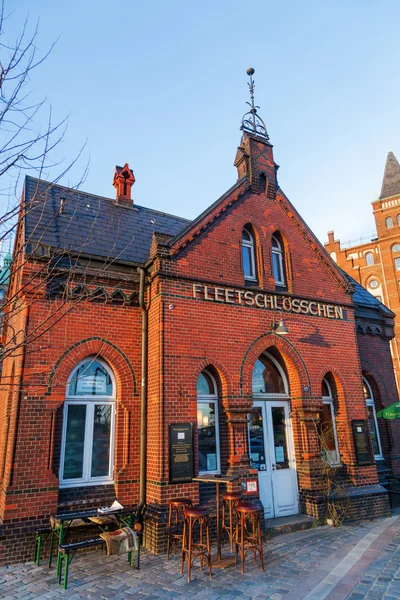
[[40, 534], [66, 553]]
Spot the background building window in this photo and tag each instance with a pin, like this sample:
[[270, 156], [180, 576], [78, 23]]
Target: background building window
[[207, 424], [373, 283], [329, 442], [249, 263], [396, 248], [373, 423], [398, 219], [87, 446], [277, 260], [397, 264], [369, 258], [389, 223]]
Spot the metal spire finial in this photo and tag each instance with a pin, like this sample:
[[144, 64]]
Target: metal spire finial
[[251, 121]]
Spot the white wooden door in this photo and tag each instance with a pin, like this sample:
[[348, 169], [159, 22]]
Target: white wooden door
[[271, 452]]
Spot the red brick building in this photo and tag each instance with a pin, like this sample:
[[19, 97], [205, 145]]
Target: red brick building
[[238, 323], [376, 263]]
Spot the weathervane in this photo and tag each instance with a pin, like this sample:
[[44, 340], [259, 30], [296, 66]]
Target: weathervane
[[251, 121]]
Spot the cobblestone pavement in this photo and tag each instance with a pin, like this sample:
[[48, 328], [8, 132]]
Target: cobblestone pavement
[[357, 561]]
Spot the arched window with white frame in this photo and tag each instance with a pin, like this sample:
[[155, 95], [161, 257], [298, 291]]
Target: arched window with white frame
[[329, 440], [87, 446], [373, 423], [278, 266], [207, 424], [248, 254]]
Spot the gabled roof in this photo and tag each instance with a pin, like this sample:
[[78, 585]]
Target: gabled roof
[[391, 177], [92, 225]]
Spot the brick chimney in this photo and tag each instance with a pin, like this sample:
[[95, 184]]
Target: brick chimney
[[123, 182]]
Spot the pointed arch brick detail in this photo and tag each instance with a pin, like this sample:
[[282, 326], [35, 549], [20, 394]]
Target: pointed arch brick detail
[[297, 370], [93, 346]]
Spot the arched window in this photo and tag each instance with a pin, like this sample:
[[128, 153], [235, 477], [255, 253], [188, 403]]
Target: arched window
[[373, 423], [329, 442], [277, 260], [248, 257], [269, 377], [369, 258], [87, 447], [207, 424], [398, 219], [396, 248], [389, 223]]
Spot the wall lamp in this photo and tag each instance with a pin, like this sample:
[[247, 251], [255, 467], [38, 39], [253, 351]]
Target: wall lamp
[[279, 327]]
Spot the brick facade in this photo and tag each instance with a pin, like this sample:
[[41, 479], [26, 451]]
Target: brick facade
[[202, 314]]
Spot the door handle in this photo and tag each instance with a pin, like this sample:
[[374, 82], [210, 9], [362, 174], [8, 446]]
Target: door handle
[[273, 467]]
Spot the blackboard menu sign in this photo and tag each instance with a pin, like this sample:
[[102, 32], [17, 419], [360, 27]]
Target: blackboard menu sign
[[181, 468], [362, 443]]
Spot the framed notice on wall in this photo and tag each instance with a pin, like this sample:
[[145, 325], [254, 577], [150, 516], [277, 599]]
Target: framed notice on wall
[[362, 443], [181, 467]]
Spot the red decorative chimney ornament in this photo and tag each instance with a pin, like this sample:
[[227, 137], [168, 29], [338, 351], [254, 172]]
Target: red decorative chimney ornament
[[123, 182]]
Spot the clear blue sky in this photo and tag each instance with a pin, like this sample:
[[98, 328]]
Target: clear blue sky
[[163, 85]]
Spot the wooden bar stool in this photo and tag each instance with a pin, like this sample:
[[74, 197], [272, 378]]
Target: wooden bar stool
[[248, 532], [175, 524], [201, 548], [229, 503]]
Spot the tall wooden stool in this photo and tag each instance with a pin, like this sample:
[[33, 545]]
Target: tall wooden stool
[[175, 524], [201, 548], [229, 503], [248, 532]]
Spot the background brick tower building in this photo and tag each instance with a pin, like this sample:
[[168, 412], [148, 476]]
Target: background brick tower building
[[376, 263]]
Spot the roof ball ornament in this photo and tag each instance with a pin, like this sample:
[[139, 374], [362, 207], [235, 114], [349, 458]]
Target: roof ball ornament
[[251, 121]]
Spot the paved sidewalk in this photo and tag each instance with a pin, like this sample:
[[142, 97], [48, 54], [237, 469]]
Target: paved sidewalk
[[355, 562]]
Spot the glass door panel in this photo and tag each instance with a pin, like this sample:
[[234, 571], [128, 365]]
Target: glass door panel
[[256, 440], [279, 437]]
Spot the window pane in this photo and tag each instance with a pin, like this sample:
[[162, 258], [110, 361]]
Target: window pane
[[325, 388], [247, 261], [277, 267], [369, 258], [389, 222], [267, 379], [396, 247], [74, 441], [207, 436], [372, 428], [280, 442], [205, 384], [328, 442], [397, 263], [101, 440], [91, 379], [256, 439]]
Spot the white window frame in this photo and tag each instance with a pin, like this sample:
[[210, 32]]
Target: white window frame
[[90, 402], [371, 402], [211, 399], [278, 252], [261, 395], [249, 244], [328, 401]]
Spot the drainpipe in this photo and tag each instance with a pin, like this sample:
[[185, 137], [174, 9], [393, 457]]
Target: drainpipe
[[143, 403]]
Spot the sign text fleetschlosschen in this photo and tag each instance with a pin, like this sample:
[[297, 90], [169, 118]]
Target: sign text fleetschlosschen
[[268, 301]]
